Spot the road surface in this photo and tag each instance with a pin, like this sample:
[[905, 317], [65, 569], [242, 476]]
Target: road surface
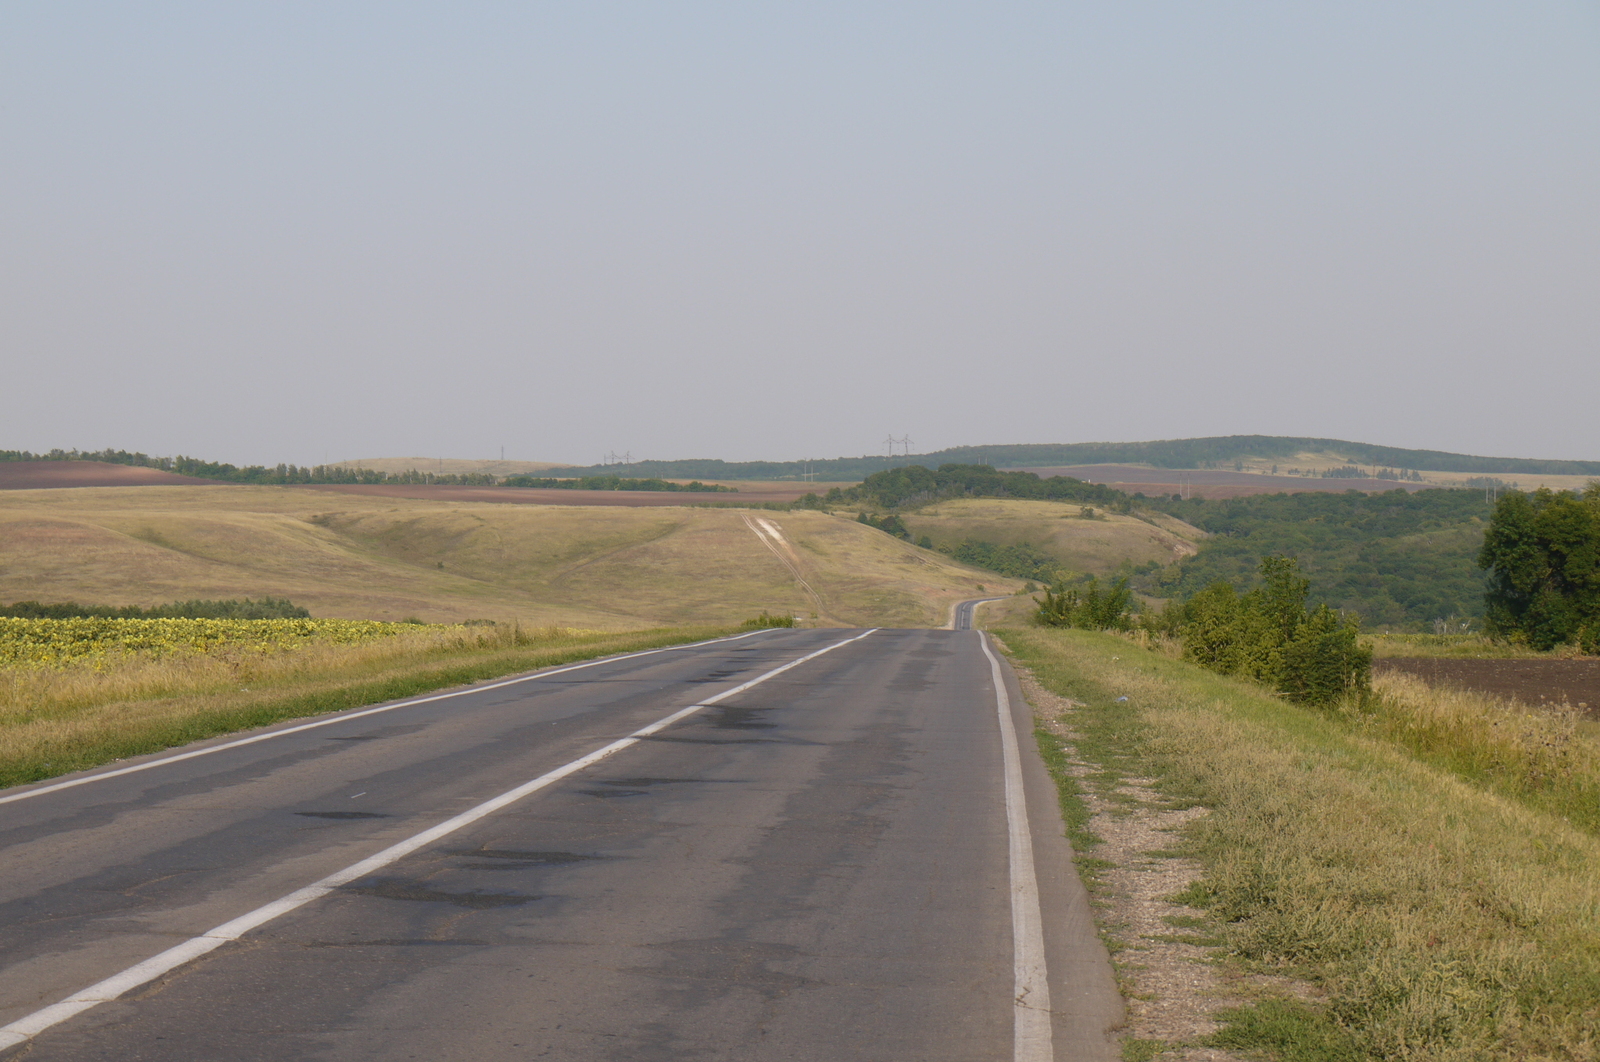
[[966, 612], [794, 845]]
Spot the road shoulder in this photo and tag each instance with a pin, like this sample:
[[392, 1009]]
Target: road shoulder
[[1087, 1007]]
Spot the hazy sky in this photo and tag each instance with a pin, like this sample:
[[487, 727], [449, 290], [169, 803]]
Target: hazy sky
[[300, 231]]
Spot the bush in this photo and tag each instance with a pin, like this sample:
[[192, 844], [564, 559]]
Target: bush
[[889, 525], [1022, 560], [1269, 636], [765, 620], [1089, 609]]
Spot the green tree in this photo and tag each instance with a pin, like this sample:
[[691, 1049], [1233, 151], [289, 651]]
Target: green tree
[[1542, 552]]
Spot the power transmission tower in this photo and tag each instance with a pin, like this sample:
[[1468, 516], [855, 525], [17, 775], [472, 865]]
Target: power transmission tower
[[905, 441]]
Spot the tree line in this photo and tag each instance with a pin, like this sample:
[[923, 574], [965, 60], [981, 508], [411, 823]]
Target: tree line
[[916, 485], [265, 475], [615, 483]]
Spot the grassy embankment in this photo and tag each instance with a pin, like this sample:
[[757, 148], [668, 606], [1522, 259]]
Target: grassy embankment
[[57, 720], [1426, 867], [342, 555]]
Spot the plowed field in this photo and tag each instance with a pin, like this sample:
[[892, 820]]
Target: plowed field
[[1534, 682]]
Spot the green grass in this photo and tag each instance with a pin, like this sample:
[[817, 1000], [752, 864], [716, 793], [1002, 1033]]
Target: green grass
[[1430, 916], [1291, 1031]]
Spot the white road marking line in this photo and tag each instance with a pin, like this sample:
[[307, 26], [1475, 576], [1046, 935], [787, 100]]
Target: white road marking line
[[343, 717], [24, 1029], [1031, 1032]]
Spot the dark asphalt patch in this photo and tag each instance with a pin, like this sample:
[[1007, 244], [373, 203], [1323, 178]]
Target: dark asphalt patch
[[400, 889]]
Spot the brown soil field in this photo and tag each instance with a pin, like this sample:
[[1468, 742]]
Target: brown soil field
[[1531, 681], [41, 475], [536, 496], [1212, 482]]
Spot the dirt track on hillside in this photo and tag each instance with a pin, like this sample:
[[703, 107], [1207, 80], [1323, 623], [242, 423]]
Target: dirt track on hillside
[[45, 475]]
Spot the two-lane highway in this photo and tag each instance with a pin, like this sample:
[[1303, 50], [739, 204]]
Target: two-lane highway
[[812, 844]]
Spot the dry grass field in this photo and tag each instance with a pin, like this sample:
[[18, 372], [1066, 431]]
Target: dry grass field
[[369, 557], [1096, 546]]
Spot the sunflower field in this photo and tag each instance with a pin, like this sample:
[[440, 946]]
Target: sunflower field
[[98, 642]]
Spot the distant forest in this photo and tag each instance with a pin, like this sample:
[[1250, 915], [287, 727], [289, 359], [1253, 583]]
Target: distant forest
[[1395, 559], [915, 485], [614, 483]]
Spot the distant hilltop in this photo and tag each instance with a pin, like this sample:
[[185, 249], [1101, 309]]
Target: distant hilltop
[[451, 466], [1218, 452], [1265, 455]]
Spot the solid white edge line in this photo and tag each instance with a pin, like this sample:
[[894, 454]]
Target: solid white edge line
[[340, 717], [1031, 1031], [141, 973]]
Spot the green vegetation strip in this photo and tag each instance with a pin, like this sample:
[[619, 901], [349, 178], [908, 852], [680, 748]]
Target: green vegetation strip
[[1430, 917], [98, 734]]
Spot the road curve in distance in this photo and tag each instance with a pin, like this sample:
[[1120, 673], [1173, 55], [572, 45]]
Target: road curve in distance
[[965, 612]]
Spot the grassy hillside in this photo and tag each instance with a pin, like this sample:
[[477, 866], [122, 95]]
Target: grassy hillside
[[1098, 546], [382, 558]]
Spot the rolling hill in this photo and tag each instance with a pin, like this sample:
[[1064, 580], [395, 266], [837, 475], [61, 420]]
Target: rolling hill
[[1217, 452], [389, 558], [1097, 546]]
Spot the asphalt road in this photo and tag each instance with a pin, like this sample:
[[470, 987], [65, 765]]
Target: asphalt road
[[855, 858], [966, 611]]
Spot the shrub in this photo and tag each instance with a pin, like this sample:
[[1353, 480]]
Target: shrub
[[1268, 635], [1089, 609], [765, 620]]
